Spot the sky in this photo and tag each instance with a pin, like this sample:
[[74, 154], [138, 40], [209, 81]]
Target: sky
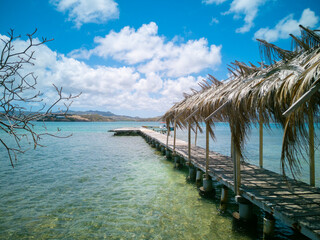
[[137, 58]]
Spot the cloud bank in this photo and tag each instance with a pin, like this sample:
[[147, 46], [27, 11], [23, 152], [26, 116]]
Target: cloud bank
[[152, 74], [150, 52]]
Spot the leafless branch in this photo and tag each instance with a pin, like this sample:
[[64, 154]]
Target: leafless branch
[[18, 90]]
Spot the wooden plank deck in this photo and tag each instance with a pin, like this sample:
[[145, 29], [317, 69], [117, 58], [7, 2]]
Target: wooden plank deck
[[297, 205]]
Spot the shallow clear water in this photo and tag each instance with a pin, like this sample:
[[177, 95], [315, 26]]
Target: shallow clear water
[[94, 185]]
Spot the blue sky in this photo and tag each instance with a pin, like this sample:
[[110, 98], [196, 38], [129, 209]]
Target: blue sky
[[138, 57]]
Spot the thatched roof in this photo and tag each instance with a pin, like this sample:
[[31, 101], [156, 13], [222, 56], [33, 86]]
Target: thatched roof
[[265, 92]]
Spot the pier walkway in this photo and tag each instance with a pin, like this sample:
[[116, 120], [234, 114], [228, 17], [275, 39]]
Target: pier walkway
[[296, 204]]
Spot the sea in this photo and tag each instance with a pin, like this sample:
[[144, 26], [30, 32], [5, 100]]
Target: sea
[[89, 184]]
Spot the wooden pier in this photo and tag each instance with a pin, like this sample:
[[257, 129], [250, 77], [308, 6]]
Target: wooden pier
[[296, 204]]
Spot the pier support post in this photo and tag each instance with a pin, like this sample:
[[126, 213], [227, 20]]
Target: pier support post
[[311, 148], [207, 150], [207, 190], [168, 154], [177, 161], [260, 140], [192, 173], [182, 161], [189, 143], [207, 183], [268, 225], [236, 167], [157, 146], [168, 134], [224, 198], [245, 208], [196, 136], [174, 136], [198, 177], [163, 150]]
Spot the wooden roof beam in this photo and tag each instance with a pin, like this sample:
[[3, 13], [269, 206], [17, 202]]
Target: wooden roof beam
[[305, 97], [192, 114], [216, 111]]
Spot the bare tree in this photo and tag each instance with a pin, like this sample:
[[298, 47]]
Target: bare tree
[[18, 89]]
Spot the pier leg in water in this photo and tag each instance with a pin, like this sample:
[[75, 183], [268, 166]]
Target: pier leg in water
[[182, 162], [198, 178], [224, 198], [168, 154], [268, 225], [207, 190], [177, 162], [163, 150], [245, 209], [157, 146], [192, 173]]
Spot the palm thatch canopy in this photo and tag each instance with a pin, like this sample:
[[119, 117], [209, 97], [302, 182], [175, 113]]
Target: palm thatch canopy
[[263, 93]]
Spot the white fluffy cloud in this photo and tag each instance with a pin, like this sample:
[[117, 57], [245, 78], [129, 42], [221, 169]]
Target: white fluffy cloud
[[152, 53], [248, 9], [87, 11], [129, 45], [288, 25], [192, 57], [117, 88], [152, 83], [174, 88]]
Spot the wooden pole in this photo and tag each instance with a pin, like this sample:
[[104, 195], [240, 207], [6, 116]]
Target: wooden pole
[[189, 143], [207, 150], [191, 115], [305, 97], [195, 136], [238, 171], [236, 167], [179, 114], [233, 156], [174, 136], [168, 134], [260, 140], [216, 111], [311, 149], [231, 151]]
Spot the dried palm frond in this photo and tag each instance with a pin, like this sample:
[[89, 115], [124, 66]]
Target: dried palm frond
[[272, 53], [298, 45], [309, 37], [214, 81], [295, 137]]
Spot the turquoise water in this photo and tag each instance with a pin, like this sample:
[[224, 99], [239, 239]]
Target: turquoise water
[[97, 186]]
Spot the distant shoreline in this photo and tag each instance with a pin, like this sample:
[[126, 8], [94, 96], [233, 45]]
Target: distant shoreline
[[94, 118]]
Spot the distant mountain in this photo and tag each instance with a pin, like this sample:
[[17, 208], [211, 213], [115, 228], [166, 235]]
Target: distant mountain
[[89, 116], [101, 113], [95, 116]]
